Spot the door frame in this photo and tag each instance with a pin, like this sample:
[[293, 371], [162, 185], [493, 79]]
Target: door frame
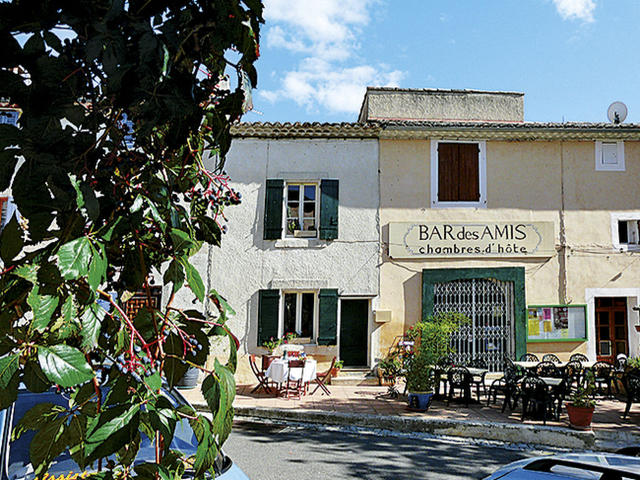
[[612, 328], [369, 299], [633, 297], [431, 276]]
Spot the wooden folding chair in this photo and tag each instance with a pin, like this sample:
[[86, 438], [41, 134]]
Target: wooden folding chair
[[295, 387], [322, 379], [263, 380]]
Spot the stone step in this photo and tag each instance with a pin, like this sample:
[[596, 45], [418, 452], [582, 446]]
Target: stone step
[[355, 376]]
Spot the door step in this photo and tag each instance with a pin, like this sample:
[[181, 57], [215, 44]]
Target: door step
[[355, 376]]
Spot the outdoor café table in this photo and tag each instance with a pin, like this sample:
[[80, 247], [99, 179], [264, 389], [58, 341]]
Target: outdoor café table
[[278, 371], [532, 365]]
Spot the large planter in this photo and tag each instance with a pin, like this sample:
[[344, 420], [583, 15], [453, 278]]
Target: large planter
[[266, 361], [580, 417], [419, 401], [189, 380]]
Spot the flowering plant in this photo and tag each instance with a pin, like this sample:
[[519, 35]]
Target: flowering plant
[[287, 337], [272, 344]]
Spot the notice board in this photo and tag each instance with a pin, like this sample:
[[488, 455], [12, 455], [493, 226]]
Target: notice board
[[556, 323]]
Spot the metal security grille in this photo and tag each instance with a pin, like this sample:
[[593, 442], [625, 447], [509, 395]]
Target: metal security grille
[[489, 304]]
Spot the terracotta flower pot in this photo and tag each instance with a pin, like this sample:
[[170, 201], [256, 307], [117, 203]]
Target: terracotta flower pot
[[580, 417], [334, 372]]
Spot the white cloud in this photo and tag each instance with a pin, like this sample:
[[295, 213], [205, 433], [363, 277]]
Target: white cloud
[[325, 33], [576, 9]]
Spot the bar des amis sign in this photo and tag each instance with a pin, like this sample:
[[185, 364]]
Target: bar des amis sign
[[471, 239]]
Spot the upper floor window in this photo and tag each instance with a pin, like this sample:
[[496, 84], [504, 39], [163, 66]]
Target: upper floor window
[[625, 229], [301, 209], [458, 174], [610, 156]]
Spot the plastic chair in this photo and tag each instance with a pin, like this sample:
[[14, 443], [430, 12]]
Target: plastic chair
[[507, 385], [547, 369], [478, 380], [322, 379], [631, 382], [580, 357], [603, 376], [572, 372], [536, 398], [263, 380]]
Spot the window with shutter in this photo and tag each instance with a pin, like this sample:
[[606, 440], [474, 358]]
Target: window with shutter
[[329, 209], [273, 209], [268, 306], [328, 317], [458, 176]]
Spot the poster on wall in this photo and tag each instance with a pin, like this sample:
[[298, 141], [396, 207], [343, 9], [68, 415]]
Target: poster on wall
[[559, 322]]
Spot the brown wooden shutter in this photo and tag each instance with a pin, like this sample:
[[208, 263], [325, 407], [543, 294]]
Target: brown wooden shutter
[[447, 172], [469, 175]]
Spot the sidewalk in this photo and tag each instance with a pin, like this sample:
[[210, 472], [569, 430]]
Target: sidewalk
[[369, 407]]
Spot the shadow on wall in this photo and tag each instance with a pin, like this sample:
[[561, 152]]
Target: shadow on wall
[[251, 328]]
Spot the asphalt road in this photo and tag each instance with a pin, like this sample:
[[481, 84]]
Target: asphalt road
[[275, 452]]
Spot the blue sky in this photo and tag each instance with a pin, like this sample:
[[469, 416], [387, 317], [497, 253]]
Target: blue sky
[[571, 58]]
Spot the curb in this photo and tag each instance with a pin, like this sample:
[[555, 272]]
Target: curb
[[539, 435]]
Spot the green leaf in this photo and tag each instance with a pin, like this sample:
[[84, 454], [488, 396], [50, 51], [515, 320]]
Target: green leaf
[[43, 307], [8, 366], [91, 321], [74, 257], [47, 444], [34, 378], [97, 268], [36, 418], [137, 203], [210, 230], [154, 381], [207, 447], [175, 275], [113, 422], [11, 240], [64, 365], [181, 240], [194, 279], [28, 272]]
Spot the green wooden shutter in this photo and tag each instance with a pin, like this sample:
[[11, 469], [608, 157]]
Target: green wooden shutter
[[329, 209], [273, 209], [328, 313], [269, 301]]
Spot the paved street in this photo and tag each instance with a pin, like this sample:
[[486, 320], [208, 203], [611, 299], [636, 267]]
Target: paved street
[[273, 452]]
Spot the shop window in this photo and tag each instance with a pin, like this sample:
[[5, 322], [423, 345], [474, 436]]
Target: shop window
[[309, 313], [301, 209], [458, 174], [610, 156]]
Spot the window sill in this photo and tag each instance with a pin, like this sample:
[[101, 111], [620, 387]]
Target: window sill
[[482, 204], [300, 243], [624, 247]]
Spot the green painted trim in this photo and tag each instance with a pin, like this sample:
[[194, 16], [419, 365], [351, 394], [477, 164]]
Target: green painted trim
[[555, 340], [505, 274]]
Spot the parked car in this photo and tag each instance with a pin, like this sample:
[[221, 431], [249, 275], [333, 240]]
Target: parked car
[[14, 456], [623, 465]]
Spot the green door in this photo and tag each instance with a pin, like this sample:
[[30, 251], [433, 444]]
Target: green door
[[354, 322]]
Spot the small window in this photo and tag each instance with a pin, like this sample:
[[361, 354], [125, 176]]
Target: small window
[[302, 210], [299, 311], [458, 174], [628, 234], [610, 156]]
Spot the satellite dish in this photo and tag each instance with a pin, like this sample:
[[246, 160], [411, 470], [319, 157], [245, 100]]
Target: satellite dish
[[617, 112]]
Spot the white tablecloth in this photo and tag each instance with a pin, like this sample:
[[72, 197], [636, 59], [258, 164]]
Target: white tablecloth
[[279, 370]]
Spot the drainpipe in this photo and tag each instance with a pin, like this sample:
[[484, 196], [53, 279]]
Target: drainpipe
[[562, 251]]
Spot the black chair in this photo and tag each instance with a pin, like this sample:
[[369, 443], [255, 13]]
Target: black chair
[[507, 385], [479, 380], [440, 373], [572, 373], [547, 369], [631, 382], [550, 357], [529, 357], [580, 357], [603, 376], [459, 379], [536, 399]]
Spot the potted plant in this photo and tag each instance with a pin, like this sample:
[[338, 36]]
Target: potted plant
[[336, 368], [431, 339], [582, 404], [270, 346]]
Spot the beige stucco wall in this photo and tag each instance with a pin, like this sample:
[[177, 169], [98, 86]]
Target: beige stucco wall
[[527, 181]]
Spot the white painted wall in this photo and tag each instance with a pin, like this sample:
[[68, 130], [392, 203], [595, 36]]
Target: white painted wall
[[246, 263]]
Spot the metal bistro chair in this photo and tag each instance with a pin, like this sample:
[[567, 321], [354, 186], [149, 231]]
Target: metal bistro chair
[[295, 387], [603, 376], [529, 357], [550, 357], [478, 380], [547, 369], [580, 357], [536, 398], [460, 379], [508, 386], [572, 373], [442, 367], [631, 382], [263, 380]]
